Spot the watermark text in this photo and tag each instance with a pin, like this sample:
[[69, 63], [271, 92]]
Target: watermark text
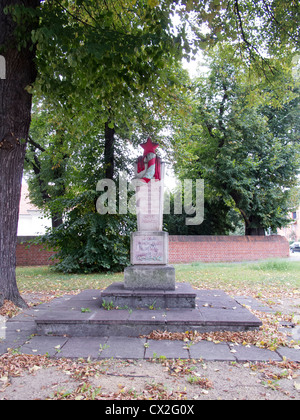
[[134, 197], [2, 67]]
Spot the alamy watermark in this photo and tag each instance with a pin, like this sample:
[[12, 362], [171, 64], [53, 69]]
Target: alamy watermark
[[153, 198], [2, 67]]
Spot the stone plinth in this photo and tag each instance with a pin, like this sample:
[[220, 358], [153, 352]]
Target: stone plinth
[[155, 277], [183, 296], [149, 204]]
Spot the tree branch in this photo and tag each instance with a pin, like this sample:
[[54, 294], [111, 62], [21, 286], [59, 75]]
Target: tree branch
[[74, 16], [238, 14], [271, 14], [250, 47], [221, 113], [35, 144]]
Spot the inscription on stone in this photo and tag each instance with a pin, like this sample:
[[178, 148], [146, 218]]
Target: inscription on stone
[[148, 249]]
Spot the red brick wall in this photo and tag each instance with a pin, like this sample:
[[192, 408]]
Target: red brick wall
[[28, 255], [188, 249], [226, 248]]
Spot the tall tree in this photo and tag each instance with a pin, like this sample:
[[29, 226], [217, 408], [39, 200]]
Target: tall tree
[[80, 34], [15, 108], [130, 50], [243, 139]]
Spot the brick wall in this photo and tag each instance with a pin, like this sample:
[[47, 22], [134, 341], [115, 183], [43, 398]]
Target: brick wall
[[31, 255], [226, 248], [188, 249]]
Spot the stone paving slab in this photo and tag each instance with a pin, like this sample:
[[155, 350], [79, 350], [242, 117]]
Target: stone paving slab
[[214, 298], [289, 353], [254, 354], [138, 348], [141, 348], [124, 348], [253, 303], [228, 317], [166, 348], [43, 345], [208, 350], [85, 347]]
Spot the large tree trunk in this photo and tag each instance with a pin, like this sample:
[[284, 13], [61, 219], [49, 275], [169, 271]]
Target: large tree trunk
[[252, 223], [253, 227], [15, 109], [258, 231]]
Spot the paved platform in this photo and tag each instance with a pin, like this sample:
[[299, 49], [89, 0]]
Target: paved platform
[[84, 315], [21, 333]]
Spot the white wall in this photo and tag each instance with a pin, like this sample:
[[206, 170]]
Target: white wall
[[33, 223]]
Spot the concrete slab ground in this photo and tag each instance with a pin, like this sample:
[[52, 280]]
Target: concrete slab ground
[[21, 332]]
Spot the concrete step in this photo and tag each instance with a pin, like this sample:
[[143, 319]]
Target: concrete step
[[83, 315], [184, 296]]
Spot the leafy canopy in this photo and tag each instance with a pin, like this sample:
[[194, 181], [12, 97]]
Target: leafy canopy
[[243, 139]]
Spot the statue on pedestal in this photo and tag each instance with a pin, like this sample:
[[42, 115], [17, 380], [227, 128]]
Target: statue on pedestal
[[149, 244], [148, 165]]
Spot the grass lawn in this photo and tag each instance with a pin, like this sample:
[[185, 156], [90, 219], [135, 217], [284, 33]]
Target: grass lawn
[[252, 276], [44, 279], [255, 278]]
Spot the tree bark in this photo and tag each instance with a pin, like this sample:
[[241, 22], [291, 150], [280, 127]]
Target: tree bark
[[253, 228], [15, 109], [109, 158], [56, 220], [252, 223]]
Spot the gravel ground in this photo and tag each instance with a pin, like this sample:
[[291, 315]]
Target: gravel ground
[[122, 379]]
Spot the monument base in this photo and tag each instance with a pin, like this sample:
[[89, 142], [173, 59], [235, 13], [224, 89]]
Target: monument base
[[214, 311], [158, 277], [116, 295]]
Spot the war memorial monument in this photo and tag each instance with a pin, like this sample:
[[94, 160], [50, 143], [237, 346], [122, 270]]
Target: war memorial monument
[[149, 298]]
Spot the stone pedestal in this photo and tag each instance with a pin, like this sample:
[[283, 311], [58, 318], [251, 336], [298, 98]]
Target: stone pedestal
[[149, 205], [149, 258], [183, 296], [154, 277]]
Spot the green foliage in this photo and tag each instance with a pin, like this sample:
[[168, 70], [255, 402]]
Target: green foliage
[[65, 185], [99, 57], [245, 146], [108, 305], [217, 219], [88, 242], [115, 64], [102, 64], [257, 29], [272, 265]]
